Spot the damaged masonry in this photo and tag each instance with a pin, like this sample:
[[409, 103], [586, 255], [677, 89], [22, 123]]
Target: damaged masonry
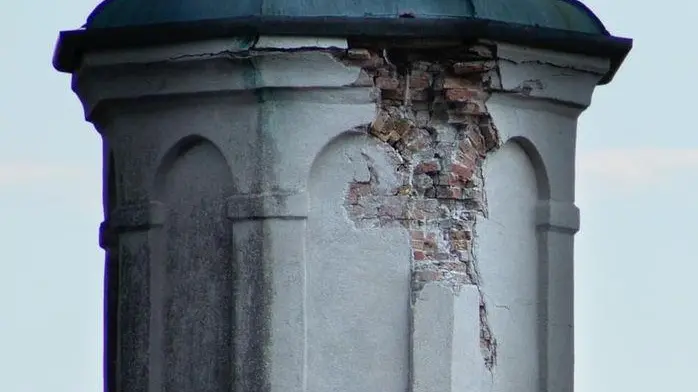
[[434, 123], [320, 196]]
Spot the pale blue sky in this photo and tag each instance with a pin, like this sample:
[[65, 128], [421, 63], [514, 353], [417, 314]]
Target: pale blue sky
[[636, 312]]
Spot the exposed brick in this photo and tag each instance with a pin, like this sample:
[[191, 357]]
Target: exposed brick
[[451, 82], [357, 190], [477, 141], [388, 128], [359, 54], [468, 156], [417, 139], [469, 67], [393, 207], [419, 255], [435, 127], [464, 94], [490, 135], [463, 170], [449, 192], [422, 214], [430, 166], [420, 80], [473, 108]]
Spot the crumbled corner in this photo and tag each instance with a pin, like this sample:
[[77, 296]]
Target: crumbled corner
[[433, 123]]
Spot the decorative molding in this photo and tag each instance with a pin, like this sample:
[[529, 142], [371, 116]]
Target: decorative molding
[[557, 216], [107, 238], [268, 206], [138, 216], [560, 77], [293, 42]]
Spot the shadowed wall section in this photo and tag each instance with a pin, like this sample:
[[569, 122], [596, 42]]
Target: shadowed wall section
[[108, 241], [195, 278], [509, 265], [358, 280]]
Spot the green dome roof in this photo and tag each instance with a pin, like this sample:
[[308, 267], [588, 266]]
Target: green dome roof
[[570, 15], [558, 25]]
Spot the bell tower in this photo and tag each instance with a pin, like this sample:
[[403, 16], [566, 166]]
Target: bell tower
[[339, 196]]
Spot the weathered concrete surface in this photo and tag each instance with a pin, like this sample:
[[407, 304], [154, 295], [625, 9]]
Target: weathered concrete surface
[[358, 281], [509, 267], [447, 358], [310, 218]]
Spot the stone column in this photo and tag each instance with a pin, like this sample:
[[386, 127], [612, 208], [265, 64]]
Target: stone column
[[300, 214]]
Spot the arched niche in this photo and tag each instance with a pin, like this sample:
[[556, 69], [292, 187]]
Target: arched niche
[[508, 257], [358, 278], [193, 271]]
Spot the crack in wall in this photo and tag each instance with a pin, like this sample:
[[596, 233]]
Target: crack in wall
[[433, 124]]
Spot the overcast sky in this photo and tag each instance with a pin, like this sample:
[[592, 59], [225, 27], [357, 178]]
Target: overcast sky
[[636, 290]]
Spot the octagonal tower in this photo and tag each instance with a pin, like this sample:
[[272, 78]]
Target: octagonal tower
[[306, 196]]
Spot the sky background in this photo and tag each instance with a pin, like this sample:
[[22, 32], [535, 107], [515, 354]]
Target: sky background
[[636, 291]]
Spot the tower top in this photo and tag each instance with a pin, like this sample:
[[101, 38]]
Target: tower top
[[557, 25], [568, 15]]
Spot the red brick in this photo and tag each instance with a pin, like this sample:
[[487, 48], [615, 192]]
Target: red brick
[[457, 82], [470, 67], [489, 134], [358, 190], [420, 80], [417, 139], [473, 108], [461, 235], [431, 166], [468, 157], [365, 58], [463, 171], [464, 94], [477, 141]]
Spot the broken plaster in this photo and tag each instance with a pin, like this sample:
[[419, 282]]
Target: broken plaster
[[433, 122]]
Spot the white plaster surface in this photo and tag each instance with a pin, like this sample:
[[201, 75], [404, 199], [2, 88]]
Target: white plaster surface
[[447, 357], [358, 280], [542, 123], [545, 74], [285, 42], [507, 254]]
